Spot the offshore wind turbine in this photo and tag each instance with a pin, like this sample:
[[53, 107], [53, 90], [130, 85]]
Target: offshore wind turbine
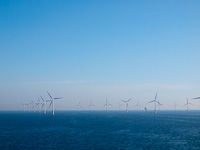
[[79, 105], [91, 105], [39, 104], [138, 105], [33, 106], [44, 104], [155, 100], [28, 104], [175, 105], [106, 105], [127, 104], [52, 102], [120, 106], [187, 104], [24, 106]]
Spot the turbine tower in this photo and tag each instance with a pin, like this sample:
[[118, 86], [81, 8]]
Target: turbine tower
[[91, 105], [138, 105], [155, 100], [52, 102], [187, 104], [126, 104], [79, 105], [120, 106], [106, 105]]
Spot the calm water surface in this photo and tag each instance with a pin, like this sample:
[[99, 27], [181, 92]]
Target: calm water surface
[[100, 130]]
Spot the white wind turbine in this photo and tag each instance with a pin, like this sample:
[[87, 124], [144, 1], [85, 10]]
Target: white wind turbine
[[44, 104], [24, 106], [52, 102], [79, 105], [33, 106], [28, 104], [155, 100], [106, 105], [91, 105], [120, 106], [127, 104], [175, 105], [39, 104], [187, 104], [138, 105]]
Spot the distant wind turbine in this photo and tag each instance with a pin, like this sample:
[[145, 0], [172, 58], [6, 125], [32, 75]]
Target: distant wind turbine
[[44, 104], [52, 102], [106, 105], [120, 106], [79, 105], [24, 106], [187, 104], [39, 104], [33, 106], [91, 105], [28, 104], [175, 105], [127, 104], [155, 100], [138, 105]]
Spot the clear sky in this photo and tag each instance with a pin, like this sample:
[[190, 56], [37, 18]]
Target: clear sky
[[93, 50]]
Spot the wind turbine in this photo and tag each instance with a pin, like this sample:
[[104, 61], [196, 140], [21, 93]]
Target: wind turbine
[[120, 106], [106, 105], [79, 105], [28, 106], [24, 106], [39, 104], [33, 106], [52, 102], [175, 105], [44, 104], [138, 105], [91, 105], [155, 100], [187, 105], [127, 104]]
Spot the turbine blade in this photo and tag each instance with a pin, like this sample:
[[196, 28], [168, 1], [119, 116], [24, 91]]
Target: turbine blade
[[58, 98], [49, 95], [50, 104], [129, 100], [197, 98], [123, 101], [156, 96], [42, 98], [151, 101]]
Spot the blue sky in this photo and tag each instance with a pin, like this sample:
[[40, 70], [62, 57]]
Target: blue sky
[[85, 50]]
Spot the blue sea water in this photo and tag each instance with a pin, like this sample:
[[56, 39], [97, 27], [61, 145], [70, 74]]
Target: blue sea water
[[99, 130]]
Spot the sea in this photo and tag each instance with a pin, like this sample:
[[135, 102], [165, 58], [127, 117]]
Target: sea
[[100, 130]]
